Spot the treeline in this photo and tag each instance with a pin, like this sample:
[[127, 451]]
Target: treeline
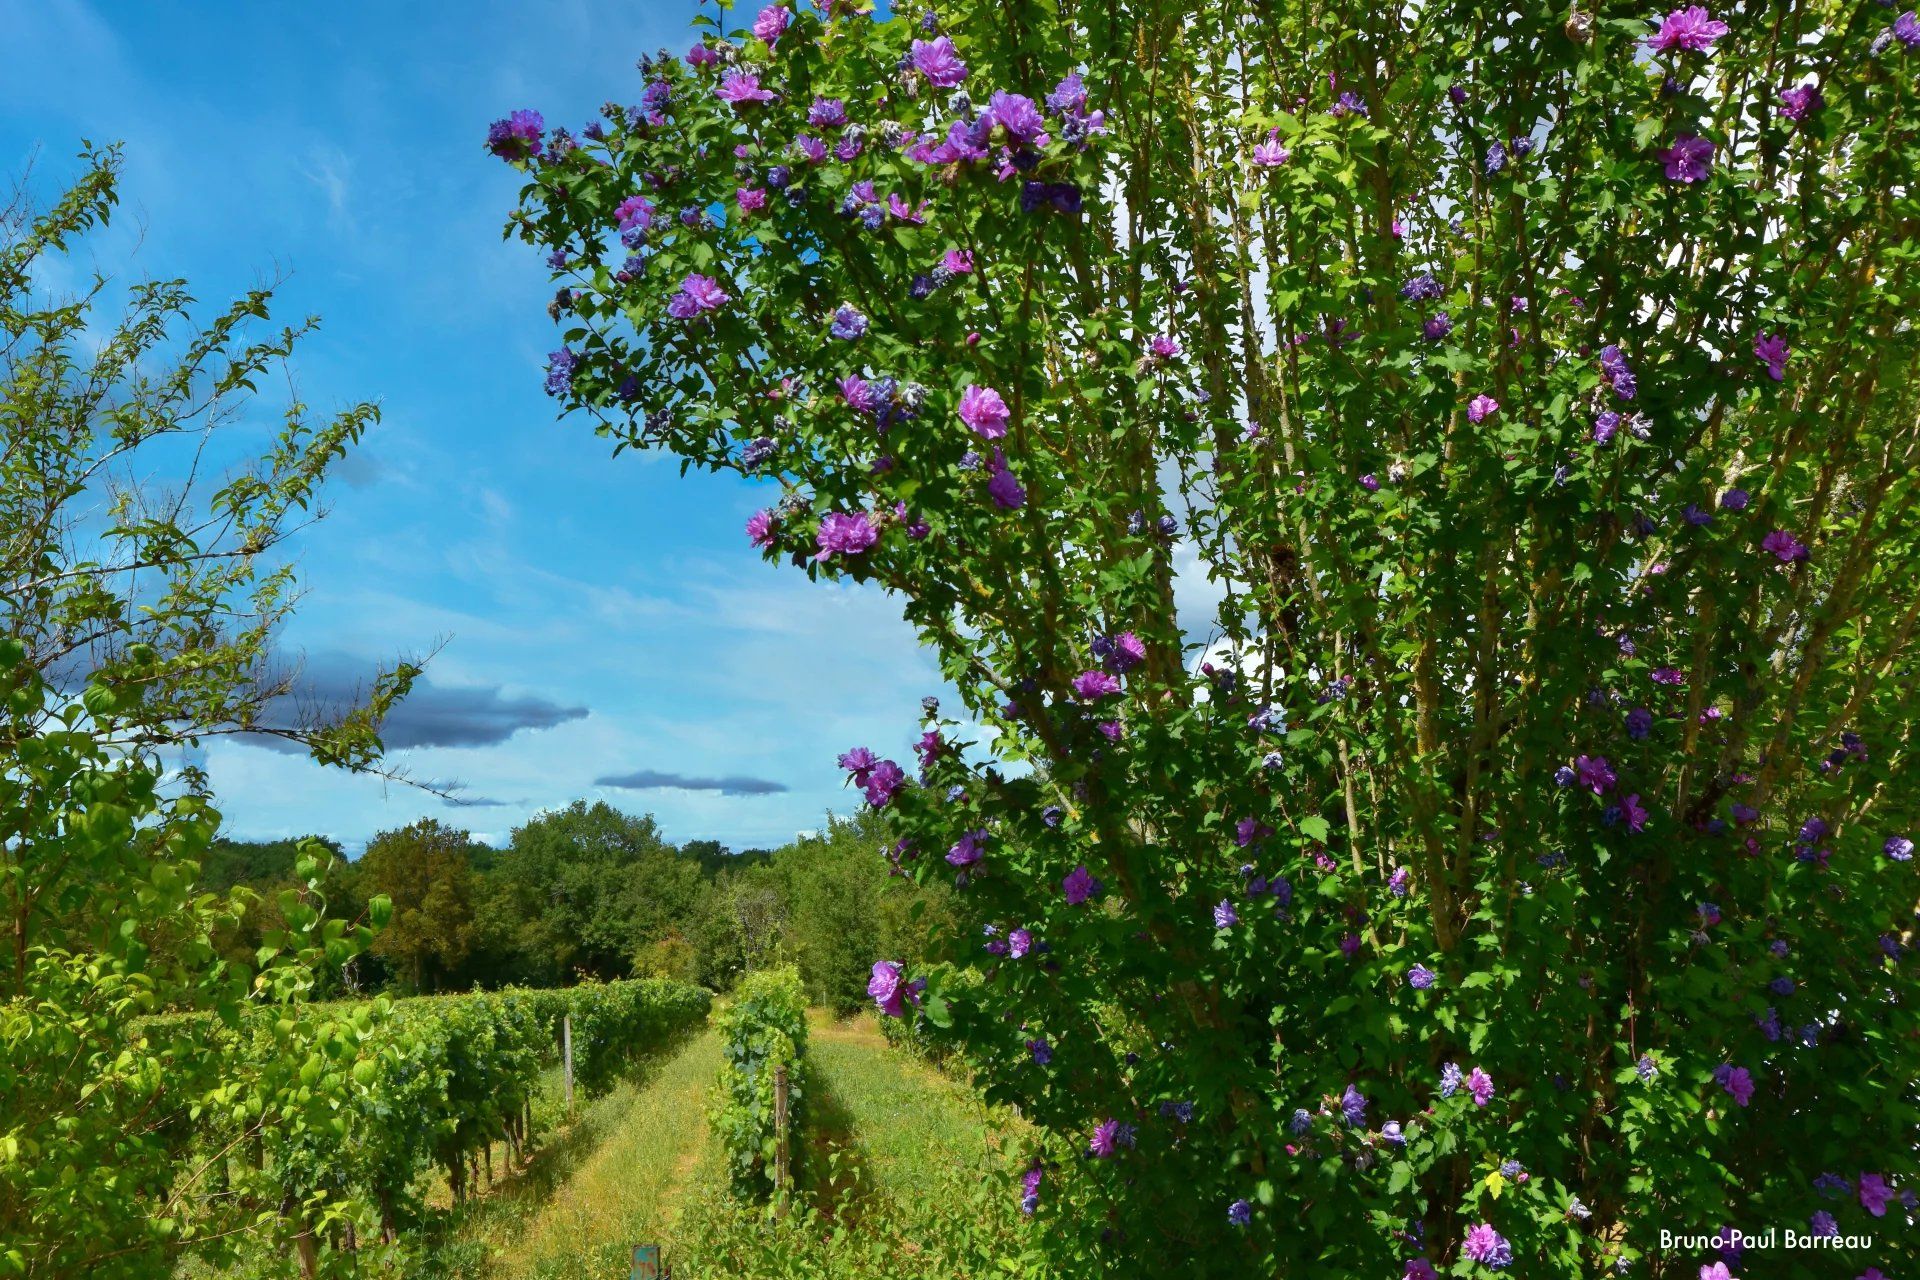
[[590, 891]]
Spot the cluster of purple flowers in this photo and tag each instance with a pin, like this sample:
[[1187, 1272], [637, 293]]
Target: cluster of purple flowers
[[517, 137], [1487, 1247], [878, 778], [560, 367]]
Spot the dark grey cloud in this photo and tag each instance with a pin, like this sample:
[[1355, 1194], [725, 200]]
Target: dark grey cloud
[[431, 715], [654, 780]]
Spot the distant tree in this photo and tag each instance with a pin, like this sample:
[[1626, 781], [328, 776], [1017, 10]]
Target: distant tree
[[574, 866], [424, 869], [662, 892]]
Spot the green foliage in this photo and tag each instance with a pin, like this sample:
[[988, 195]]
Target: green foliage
[[425, 872], [114, 541], [763, 1028], [101, 1101], [401, 1086], [1446, 413]]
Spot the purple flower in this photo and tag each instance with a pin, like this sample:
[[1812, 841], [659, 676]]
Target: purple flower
[[1419, 1269], [772, 23], [1224, 916], [1771, 350], [1906, 29], [1106, 1139], [1003, 486], [560, 365], [1030, 1190], [1019, 942], [1635, 813], [698, 294], [939, 62], [1018, 116], [1784, 547], [1899, 848], [1595, 773], [1480, 1085], [517, 137], [1397, 882], [1079, 885], [1613, 363], [1089, 686], [634, 211], [1437, 326], [1449, 1079], [760, 528], [1801, 101], [1822, 1224], [982, 409], [1487, 1247], [1069, 97], [1874, 1194], [1420, 977], [1689, 29], [1689, 159], [827, 113], [1735, 1081], [1353, 1106], [1646, 1068], [737, 87], [1239, 1213], [1481, 407], [888, 988], [1709, 914], [966, 851], [1270, 154], [848, 324], [1735, 500], [844, 534], [1391, 1132], [885, 779], [1421, 288]]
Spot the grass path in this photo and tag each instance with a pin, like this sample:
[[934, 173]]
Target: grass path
[[640, 1164], [617, 1179], [903, 1120]]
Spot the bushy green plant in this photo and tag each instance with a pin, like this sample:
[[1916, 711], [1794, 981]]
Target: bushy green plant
[[103, 1103], [1420, 498], [763, 1029]]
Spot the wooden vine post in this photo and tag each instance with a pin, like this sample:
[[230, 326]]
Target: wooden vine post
[[566, 1055], [780, 1173]]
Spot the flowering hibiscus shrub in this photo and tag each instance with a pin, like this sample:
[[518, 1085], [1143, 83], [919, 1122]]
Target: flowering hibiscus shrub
[[1417, 502]]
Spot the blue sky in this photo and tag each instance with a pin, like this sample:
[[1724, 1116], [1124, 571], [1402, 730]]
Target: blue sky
[[603, 618]]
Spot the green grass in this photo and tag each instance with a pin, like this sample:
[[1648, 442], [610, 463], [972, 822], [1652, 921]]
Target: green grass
[[615, 1181], [905, 1122], [907, 1180]]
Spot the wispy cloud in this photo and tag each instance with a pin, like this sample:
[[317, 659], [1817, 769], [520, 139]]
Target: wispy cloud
[[654, 780]]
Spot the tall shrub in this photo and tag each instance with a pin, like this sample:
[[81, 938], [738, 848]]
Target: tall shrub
[[1419, 502]]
